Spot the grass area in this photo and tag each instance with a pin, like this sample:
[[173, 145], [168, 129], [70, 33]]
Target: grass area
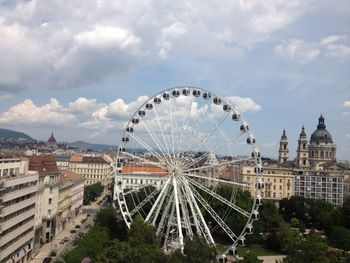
[[258, 249]]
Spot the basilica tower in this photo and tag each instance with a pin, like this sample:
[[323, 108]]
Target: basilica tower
[[303, 150], [283, 151]]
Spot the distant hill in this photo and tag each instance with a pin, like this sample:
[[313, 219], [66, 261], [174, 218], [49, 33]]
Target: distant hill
[[92, 146], [4, 133]]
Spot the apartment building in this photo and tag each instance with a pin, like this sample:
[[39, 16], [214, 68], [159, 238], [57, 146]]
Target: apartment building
[[93, 168], [324, 187], [18, 198], [70, 198], [47, 205]]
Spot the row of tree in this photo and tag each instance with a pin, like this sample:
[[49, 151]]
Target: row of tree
[[91, 192], [108, 241]]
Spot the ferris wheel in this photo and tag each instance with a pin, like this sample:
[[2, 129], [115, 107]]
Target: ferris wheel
[[180, 151]]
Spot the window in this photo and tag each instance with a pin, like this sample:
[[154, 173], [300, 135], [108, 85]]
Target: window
[[304, 162], [280, 187], [284, 146], [50, 201], [280, 180], [49, 212], [304, 146]]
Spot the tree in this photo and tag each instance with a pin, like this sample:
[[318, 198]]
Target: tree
[[339, 237], [197, 250], [308, 249], [142, 234], [107, 217], [91, 192], [94, 243]]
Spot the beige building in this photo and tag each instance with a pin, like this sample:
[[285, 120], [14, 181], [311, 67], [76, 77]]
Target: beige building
[[278, 181], [18, 197], [70, 198], [93, 168], [47, 205]]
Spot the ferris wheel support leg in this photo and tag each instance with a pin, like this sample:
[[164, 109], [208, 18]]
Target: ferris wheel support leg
[[170, 222], [165, 214], [158, 200], [203, 225], [184, 210], [178, 216], [193, 212], [158, 209]]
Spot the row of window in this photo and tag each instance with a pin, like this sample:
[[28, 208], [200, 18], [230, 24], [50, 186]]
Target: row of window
[[19, 199], [9, 171], [8, 244], [19, 187], [17, 213], [321, 154], [11, 229]]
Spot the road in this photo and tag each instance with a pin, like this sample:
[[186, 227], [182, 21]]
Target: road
[[58, 244]]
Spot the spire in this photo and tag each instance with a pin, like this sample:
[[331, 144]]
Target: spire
[[321, 124], [284, 136], [303, 134]]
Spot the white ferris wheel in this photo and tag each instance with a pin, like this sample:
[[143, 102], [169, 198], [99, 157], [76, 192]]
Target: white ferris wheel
[[177, 150]]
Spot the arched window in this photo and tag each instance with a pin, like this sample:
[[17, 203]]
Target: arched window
[[304, 146], [326, 154], [322, 154]]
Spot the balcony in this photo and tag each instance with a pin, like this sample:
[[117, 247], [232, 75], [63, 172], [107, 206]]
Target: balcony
[[13, 221], [8, 237], [15, 207], [19, 193], [19, 243]]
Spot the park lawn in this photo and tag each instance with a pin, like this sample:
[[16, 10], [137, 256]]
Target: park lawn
[[257, 249]]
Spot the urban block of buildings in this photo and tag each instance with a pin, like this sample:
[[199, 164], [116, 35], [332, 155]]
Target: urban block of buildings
[[315, 172]]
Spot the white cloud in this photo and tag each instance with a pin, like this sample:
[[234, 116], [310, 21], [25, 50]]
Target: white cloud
[[75, 45], [347, 104], [27, 113], [88, 114], [336, 47], [244, 104], [347, 136], [297, 50], [6, 97]]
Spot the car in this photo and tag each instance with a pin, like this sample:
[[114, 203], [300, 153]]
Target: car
[[47, 260], [66, 239]]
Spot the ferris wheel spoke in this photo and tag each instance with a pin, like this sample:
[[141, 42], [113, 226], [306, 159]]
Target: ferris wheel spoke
[[165, 213], [170, 222], [164, 190], [171, 127], [184, 210], [151, 150], [215, 216], [219, 197], [217, 180], [144, 186], [219, 164], [143, 202], [192, 209], [202, 225], [217, 125], [201, 158], [178, 216], [158, 209], [144, 160], [158, 144], [182, 126], [163, 135]]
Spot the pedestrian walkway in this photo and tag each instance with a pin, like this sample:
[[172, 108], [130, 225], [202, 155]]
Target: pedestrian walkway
[[58, 244]]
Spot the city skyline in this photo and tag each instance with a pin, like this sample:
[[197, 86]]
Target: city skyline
[[283, 62]]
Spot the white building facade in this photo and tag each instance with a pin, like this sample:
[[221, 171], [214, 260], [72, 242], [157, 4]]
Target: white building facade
[[18, 198]]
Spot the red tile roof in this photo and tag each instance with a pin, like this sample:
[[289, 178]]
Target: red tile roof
[[43, 164], [70, 175]]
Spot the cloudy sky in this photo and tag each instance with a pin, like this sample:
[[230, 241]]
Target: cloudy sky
[[67, 66]]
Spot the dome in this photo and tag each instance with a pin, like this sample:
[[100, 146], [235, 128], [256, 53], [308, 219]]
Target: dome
[[51, 139], [321, 134]]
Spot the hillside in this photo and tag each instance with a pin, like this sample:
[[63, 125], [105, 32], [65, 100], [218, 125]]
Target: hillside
[[5, 134]]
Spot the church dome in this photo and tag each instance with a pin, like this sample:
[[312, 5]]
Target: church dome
[[51, 139], [321, 134]]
